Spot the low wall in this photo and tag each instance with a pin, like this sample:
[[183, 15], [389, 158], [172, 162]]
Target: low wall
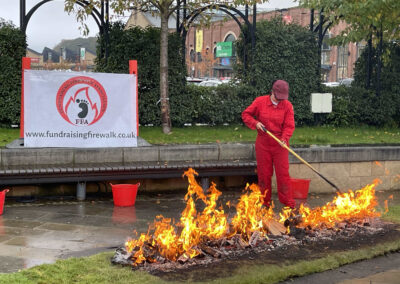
[[347, 167]]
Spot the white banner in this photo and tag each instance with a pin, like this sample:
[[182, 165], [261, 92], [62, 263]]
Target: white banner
[[76, 109]]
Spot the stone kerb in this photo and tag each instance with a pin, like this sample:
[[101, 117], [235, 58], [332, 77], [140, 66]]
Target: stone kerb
[[189, 153], [347, 167], [202, 152], [33, 157], [236, 151]]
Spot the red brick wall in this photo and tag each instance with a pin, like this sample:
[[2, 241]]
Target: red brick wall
[[219, 31]]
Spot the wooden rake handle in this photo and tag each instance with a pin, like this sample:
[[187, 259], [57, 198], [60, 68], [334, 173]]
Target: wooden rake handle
[[301, 159]]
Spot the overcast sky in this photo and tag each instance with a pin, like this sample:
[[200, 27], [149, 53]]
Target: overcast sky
[[50, 24]]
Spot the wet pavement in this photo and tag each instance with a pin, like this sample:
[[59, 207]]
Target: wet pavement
[[379, 270], [44, 231]]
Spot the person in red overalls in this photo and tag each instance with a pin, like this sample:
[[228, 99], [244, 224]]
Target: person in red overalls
[[275, 113]]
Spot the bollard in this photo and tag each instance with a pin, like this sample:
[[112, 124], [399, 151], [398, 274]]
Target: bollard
[[81, 190], [205, 183]]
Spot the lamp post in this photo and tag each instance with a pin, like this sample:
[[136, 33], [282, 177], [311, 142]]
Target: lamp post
[[78, 59], [61, 55]]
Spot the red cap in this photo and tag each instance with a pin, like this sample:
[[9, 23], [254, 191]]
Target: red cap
[[281, 89]]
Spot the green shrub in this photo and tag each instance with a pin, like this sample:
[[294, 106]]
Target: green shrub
[[390, 72], [12, 49], [286, 52], [356, 105], [342, 114], [211, 105], [385, 108], [143, 45]]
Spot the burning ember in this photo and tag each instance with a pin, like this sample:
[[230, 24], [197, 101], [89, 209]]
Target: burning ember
[[348, 206], [211, 233]]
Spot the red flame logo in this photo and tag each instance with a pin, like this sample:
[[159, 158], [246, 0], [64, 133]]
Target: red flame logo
[[85, 102]]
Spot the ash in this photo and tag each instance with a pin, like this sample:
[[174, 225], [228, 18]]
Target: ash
[[213, 251]]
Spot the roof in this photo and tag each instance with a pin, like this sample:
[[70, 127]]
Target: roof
[[47, 49], [33, 51], [155, 20]]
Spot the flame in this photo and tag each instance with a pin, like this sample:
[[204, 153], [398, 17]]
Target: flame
[[344, 207], [194, 227], [250, 213], [172, 240]]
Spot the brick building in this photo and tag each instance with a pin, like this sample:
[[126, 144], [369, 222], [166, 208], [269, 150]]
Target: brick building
[[337, 62]]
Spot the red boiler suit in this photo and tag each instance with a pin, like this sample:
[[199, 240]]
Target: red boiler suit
[[279, 120]]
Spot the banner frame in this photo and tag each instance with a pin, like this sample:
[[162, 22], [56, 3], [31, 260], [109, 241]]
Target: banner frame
[[26, 65]]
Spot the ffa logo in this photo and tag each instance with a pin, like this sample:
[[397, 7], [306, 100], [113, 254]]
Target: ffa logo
[[81, 101]]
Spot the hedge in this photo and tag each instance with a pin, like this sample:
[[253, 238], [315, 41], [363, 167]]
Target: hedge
[[283, 52], [212, 105], [143, 45], [12, 49], [287, 52], [356, 105]]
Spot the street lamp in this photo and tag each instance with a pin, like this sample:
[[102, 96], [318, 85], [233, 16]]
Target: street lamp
[[62, 55], [78, 59]]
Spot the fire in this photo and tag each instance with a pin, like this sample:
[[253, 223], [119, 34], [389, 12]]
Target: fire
[[344, 207], [172, 240], [250, 213], [194, 227]]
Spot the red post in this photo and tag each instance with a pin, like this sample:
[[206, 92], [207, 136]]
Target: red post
[[134, 70], [26, 64]]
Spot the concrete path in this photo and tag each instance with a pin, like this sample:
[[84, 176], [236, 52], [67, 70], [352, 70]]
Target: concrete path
[[384, 269], [44, 231]]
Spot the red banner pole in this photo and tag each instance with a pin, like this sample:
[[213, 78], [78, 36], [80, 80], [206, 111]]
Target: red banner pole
[[26, 64], [134, 70]]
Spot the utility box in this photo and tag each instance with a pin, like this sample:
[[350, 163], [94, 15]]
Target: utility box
[[321, 102]]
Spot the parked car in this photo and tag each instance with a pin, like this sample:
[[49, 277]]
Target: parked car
[[346, 82], [331, 84], [210, 83], [195, 81]]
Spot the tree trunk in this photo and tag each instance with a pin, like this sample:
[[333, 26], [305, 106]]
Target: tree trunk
[[164, 98]]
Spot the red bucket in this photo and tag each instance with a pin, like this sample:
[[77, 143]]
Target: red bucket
[[300, 188], [2, 198], [124, 194]]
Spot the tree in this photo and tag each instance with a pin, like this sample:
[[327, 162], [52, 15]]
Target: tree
[[12, 49], [363, 18], [288, 52], [164, 8], [374, 21]]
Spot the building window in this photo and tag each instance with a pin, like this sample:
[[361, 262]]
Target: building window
[[360, 47], [325, 57], [343, 52], [192, 56], [325, 51], [325, 43]]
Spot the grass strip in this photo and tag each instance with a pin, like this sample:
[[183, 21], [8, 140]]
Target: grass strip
[[97, 268], [92, 269], [321, 135], [274, 273]]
